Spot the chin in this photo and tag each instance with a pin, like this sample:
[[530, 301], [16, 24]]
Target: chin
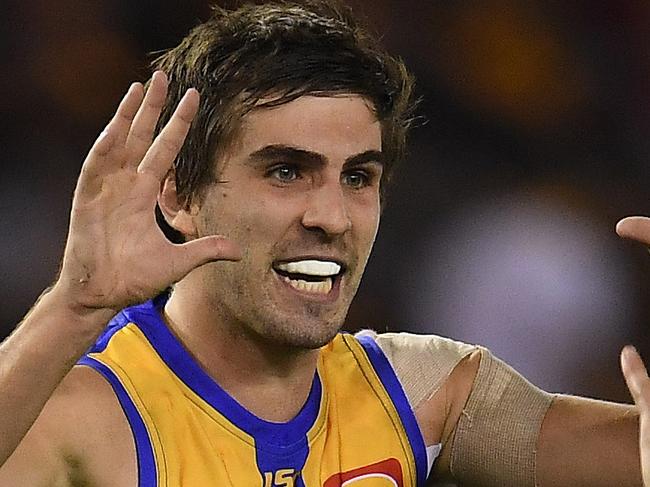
[[303, 337], [312, 342]]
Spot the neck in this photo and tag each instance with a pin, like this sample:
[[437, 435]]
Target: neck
[[272, 381]]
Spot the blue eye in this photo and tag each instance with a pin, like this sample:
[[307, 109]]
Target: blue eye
[[284, 173], [356, 179]]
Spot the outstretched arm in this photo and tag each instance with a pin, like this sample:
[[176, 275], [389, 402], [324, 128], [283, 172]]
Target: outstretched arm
[[590, 443], [507, 432], [115, 255]]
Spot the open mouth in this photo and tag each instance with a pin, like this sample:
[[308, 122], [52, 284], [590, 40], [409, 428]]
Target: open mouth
[[309, 276]]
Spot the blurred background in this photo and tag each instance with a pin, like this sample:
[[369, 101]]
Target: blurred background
[[500, 226]]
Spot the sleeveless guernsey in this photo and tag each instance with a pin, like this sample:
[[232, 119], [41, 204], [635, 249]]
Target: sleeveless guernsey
[[356, 428]]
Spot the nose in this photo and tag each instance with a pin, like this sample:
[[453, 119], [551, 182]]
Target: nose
[[326, 210]]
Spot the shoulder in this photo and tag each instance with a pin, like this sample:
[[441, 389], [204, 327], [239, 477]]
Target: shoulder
[[422, 363], [409, 343], [97, 429], [88, 402], [436, 374], [80, 428]]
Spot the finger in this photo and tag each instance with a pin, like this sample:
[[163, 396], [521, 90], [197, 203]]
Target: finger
[[111, 138], [144, 123], [121, 122], [166, 146], [635, 228], [636, 377], [104, 142], [119, 125], [203, 250]]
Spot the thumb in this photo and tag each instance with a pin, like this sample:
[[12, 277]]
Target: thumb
[[206, 249], [635, 228]]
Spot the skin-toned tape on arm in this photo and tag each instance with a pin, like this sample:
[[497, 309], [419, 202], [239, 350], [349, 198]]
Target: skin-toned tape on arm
[[496, 436]]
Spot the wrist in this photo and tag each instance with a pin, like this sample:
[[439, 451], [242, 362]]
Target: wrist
[[61, 301]]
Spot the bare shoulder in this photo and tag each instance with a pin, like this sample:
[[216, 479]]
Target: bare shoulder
[[78, 438]]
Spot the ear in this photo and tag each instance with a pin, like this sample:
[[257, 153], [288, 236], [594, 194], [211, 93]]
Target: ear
[[176, 214]]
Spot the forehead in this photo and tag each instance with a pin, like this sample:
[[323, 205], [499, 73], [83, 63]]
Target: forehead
[[336, 126]]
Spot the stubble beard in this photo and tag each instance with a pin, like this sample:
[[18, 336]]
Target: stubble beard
[[248, 306], [304, 330], [307, 332], [249, 310]]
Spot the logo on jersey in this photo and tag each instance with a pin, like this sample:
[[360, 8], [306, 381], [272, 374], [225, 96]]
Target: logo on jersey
[[382, 474]]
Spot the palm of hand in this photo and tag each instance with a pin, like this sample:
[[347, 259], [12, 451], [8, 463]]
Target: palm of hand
[[116, 254]]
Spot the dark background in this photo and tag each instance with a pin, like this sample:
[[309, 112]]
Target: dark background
[[500, 227]]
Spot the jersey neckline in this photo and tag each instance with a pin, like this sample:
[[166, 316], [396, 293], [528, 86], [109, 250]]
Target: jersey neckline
[[286, 436]]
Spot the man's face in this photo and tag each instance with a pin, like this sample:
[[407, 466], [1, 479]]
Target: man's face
[[299, 191]]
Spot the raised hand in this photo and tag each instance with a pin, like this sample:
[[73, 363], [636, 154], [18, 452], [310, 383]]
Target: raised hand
[[636, 377], [116, 254]]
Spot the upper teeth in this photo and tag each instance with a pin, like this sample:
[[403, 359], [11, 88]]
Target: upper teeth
[[311, 267]]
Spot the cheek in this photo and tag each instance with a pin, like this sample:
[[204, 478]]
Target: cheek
[[366, 219], [252, 220]]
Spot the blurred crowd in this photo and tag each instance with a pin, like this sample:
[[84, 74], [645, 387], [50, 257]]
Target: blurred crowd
[[499, 229]]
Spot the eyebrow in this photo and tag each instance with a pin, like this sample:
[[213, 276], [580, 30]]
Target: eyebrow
[[293, 154]]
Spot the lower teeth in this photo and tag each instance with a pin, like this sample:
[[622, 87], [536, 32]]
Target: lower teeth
[[319, 287]]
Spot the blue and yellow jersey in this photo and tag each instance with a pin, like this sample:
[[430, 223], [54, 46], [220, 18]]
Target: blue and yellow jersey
[[356, 428]]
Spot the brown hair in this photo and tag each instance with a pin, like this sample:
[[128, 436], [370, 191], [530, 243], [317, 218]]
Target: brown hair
[[277, 52]]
